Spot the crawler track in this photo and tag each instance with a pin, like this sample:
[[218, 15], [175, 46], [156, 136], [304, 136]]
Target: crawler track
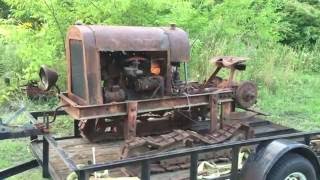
[[179, 139]]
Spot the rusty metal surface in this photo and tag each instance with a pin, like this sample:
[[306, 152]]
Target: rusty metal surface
[[170, 44], [118, 111], [181, 139], [130, 123], [228, 61], [116, 94], [246, 94], [145, 106], [48, 77], [179, 44], [213, 114], [33, 91], [129, 38]]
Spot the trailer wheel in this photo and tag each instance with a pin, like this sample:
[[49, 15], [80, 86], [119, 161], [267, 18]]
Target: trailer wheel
[[292, 167]]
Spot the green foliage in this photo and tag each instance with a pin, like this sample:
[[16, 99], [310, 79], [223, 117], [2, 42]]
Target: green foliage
[[33, 32], [252, 21], [303, 19], [4, 10]]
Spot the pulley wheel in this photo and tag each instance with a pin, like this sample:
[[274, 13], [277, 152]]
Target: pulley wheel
[[246, 94]]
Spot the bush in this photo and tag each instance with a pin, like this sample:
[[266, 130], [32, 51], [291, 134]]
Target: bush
[[303, 23]]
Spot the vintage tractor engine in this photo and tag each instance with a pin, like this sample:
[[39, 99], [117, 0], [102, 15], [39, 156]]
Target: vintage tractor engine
[[124, 82], [113, 64], [136, 77]]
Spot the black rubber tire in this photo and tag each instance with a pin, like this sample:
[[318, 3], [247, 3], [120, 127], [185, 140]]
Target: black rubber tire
[[289, 164]]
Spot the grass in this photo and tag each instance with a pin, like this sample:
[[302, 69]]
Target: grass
[[296, 104], [14, 152]]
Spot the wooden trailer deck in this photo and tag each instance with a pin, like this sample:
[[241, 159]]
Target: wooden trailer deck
[[80, 150]]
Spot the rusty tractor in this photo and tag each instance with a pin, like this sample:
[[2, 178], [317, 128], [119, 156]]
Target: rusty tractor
[[124, 83]]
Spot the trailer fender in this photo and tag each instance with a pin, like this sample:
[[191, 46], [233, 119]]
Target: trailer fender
[[260, 163]]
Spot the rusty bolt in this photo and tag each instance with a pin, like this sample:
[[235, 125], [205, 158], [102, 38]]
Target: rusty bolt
[[173, 26], [78, 23]]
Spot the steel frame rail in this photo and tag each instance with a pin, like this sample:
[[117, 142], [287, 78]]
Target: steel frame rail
[[145, 161], [18, 169]]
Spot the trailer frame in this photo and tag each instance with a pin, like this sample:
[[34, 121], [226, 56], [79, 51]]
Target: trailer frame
[[83, 173]]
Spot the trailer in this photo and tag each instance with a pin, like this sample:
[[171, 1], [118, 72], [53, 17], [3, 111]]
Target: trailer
[[58, 157]]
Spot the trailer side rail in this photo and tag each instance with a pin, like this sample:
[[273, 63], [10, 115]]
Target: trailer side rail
[[145, 161]]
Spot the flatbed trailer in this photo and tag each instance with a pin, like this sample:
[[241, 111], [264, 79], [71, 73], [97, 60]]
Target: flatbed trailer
[[58, 157]]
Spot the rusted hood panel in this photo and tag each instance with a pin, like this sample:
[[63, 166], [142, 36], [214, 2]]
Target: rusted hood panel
[[130, 38], [125, 38]]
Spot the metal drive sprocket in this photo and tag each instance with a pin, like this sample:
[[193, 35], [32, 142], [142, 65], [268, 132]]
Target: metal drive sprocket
[[246, 94]]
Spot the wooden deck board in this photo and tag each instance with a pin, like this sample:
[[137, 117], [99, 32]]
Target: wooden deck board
[[80, 151]]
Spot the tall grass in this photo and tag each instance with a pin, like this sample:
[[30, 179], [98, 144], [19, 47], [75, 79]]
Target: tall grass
[[271, 65]]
